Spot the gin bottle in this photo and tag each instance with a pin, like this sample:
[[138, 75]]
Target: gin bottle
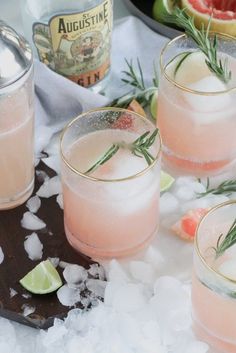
[[72, 37]]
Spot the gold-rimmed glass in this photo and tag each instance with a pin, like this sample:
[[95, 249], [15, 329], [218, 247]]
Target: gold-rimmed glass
[[214, 285], [108, 216], [197, 126]]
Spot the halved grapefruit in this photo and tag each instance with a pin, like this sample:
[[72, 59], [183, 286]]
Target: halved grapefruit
[[223, 13]]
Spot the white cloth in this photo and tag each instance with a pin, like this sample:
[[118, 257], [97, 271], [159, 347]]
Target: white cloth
[[59, 100]]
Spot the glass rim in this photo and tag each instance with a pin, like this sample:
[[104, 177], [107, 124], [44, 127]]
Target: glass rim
[[196, 240], [183, 88], [88, 177]]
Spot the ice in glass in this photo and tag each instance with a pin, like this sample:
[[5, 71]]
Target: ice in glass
[[113, 210], [214, 279], [196, 110]]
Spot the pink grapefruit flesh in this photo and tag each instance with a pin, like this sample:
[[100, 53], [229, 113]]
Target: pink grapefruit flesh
[[223, 13]]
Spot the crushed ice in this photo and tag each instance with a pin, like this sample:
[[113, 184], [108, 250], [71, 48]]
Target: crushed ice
[[27, 309], [32, 222], [146, 308], [50, 187], [1, 255], [33, 204], [33, 247]]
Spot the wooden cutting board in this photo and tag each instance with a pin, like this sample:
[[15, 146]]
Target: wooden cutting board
[[16, 262]]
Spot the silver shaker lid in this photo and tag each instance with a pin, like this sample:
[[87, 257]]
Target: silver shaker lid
[[15, 55]]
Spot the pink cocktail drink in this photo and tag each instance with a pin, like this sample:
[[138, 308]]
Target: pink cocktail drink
[[17, 144], [214, 281], [114, 210], [196, 110]]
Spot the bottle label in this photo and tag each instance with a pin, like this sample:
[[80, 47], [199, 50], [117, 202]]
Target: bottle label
[[77, 45]]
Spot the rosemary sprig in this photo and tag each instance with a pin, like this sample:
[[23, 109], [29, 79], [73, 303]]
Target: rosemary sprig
[[225, 188], [140, 148], [201, 37], [107, 155], [227, 242], [134, 77]]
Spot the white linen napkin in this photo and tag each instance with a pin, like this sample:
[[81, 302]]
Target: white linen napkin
[[59, 100]]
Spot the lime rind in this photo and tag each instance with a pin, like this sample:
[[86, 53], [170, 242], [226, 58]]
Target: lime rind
[[162, 8], [43, 279], [166, 181], [153, 105]]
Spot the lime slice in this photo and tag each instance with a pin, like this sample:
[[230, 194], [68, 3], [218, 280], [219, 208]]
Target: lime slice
[[161, 8], [43, 279], [153, 105], [166, 181]]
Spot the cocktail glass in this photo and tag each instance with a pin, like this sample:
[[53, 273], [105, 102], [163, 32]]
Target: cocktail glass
[[17, 142], [114, 210], [196, 110], [214, 280]]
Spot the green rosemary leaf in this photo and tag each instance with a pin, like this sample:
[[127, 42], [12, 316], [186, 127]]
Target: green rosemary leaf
[[201, 37], [140, 93], [108, 155], [139, 148], [227, 187], [227, 242]]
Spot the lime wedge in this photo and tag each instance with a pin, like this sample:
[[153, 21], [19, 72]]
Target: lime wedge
[[161, 8], [43, 279], [166, 181], [153, 105]]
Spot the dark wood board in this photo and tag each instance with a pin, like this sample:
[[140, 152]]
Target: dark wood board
[[16, 262]]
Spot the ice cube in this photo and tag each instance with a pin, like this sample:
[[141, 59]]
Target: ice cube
[[197, 347], [1, 255], [75, 274], [184, 193], [50, 187], [33, 247], [228, 269], [208, 103], [68, 296], [116, 272], [142, 271], [96, 286], [32, 222], [154, 257], [60, 201], [97, 271], [27, 309], [54, 261], [42, 176], [168, 203], [53, 162], [33, 204], [128, 297], [13, 292]]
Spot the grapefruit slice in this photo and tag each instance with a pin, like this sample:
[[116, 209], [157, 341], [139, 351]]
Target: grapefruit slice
[[223, 14], [186, 227]]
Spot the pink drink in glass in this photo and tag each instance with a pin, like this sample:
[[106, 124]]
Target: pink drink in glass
[[214, 281], [16, 145], [113, 211], [196, 111]]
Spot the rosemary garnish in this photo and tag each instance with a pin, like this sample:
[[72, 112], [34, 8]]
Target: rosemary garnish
[[201, 37], [134, 77], [139, 148], [227, 242], [227, 187]]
